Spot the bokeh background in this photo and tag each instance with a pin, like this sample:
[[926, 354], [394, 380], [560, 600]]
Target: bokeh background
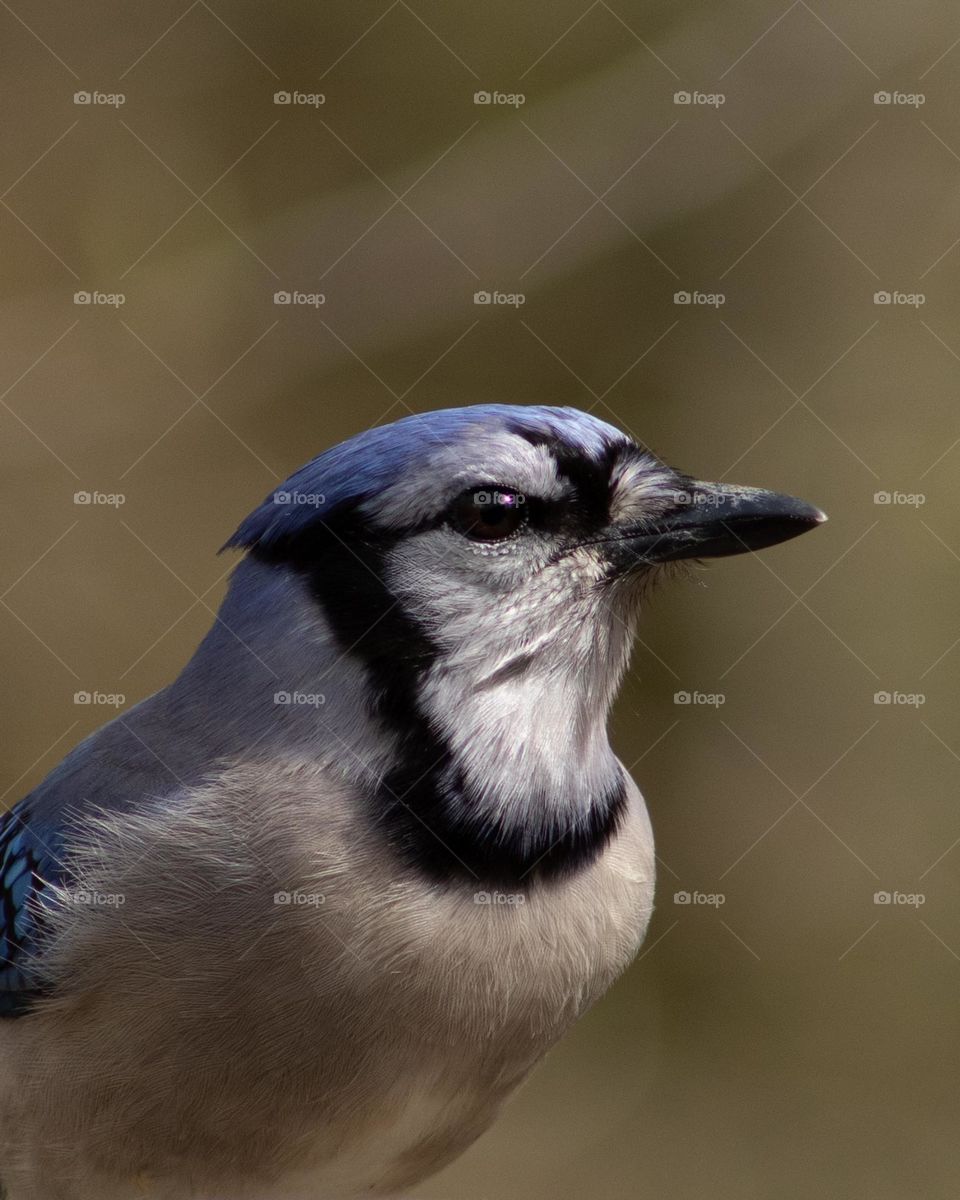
[[793, 1037]]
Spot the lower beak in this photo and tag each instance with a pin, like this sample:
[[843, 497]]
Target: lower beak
[[712, 520]]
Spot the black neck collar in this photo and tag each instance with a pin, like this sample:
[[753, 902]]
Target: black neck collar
[[423, 804]]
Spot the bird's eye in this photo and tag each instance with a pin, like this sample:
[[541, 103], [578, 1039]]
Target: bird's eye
[[488, 514]]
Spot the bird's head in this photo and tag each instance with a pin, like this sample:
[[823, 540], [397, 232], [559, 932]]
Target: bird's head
[[483, 566]]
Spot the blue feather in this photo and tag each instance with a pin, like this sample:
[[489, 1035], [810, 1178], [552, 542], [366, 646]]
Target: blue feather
[[29, 864]]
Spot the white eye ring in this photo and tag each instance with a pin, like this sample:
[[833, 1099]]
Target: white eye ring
[[493, 551]]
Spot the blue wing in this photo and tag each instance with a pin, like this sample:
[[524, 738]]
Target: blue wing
[[29, 864]]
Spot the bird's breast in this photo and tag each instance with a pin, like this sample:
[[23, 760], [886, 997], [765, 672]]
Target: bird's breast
[[282, 1008]]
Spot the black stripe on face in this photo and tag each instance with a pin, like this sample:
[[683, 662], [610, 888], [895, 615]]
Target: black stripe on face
[[424, 805], [587, 510]]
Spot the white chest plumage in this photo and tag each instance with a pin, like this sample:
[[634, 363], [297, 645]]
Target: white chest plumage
[[363, 1030]]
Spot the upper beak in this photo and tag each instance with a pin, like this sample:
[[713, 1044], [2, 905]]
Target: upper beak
[[711, 520]]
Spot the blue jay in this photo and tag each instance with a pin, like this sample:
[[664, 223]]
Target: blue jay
[[294, 927]]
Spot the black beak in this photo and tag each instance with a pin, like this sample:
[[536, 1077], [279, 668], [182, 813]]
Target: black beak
[[712, 520]]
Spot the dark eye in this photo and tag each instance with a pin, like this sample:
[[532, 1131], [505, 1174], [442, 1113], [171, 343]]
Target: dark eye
[[488, 514]]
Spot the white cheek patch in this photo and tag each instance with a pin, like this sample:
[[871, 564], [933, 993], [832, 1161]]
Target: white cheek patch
[[483, 457], [585, 566]]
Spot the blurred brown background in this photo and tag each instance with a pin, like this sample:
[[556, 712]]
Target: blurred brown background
[[798, 1039]]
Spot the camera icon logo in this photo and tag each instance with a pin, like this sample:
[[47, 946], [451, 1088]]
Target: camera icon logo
[[81, 97], [881, 97], [82, 698], [82, 498], [681, 297], [681, 897], [882, 698], [282, 98], [482, 98], [681, 97], [481, 297], [281, 297], [681, 697], [82, 297], [881, 897], [882, 297]]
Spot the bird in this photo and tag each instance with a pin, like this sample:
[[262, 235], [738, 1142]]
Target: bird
[[294, 927]]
